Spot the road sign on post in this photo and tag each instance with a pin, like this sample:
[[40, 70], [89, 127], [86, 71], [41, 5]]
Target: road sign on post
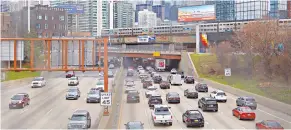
[[227, 72], [106, 100]]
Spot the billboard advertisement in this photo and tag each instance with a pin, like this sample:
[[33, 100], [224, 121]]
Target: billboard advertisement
[[196, 13], [72, 8], [145, 39]]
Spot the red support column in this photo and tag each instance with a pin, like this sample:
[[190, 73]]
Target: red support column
[[105, 70]]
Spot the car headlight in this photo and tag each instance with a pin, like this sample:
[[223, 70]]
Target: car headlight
[[84, 126]]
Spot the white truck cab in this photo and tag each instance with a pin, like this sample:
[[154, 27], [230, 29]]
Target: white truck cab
[[219, 95], [176, 79], [162, 114], [38, 82]]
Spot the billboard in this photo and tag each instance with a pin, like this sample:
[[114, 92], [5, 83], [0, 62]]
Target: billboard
[[145, 39], [72, 8], [196, 13], [7, 50]]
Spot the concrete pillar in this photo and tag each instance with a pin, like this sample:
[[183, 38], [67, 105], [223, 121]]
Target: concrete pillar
[[197, 39]]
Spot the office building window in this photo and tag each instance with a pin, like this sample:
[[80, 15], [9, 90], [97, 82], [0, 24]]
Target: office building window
[[45, 17], [39, 17], [55, 26], [38, 26], [45, 26], [60, 26], [62, 18], [53, 17]]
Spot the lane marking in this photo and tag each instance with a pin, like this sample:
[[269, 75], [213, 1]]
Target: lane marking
[[49, 111], [24, 110], [274, 116], [120, 112]]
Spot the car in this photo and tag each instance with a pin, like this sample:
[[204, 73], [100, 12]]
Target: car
[[19, 100], [100, 86], [143, 75], [151, 70], [130, 86], [155, 99], [146, 83], [141, 71], [190, 93], [182, 74], [157, 78], [133, 96], [100, 79], [173, 71], [247, 101], [93, 96], [110, 74], [150, 90], [244, 113], [269, 124], [189, 79], [130, 72], [134, 125], [193, 118], [111, 66], [153, 73], [70, 74], [38, 82], [139, 68], [201, 87], [162, 115], [73, 93], [208, 103], [219, 95], [80, 119], [148, 68], [175, 79], [73, 81], [96, 89], [101, 74], [173, 97], [165, 84]]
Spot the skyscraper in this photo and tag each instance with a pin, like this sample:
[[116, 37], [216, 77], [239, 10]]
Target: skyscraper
[[4, 6], [140, 7], [91, 21], [251, 9], [278, 9], [225, 10], [160, 11], [123, 14], [167, 10], [147, 18]]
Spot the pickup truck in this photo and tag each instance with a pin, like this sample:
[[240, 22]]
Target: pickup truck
[[162, 115]]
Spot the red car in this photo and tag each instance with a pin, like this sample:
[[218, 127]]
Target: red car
[[244, 113], [269, 124], [70, 74], [19, 100]]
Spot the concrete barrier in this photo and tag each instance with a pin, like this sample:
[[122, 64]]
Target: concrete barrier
[[269, 103]]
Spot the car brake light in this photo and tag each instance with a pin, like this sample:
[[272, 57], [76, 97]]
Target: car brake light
[[188, 119], [155, 117], [171, 117]]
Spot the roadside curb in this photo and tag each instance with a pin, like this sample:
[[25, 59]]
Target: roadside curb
[[264, 101]]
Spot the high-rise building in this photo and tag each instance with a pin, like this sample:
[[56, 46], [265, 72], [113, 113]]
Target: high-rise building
[[167, 10], [160, 11], [6, 27], [278, 9], [90, 21], [150, 2], [251, 9], [123, 14], [225, 10], [140, 7], [289, 9], [147, 18], [4, 6], [174, 13]]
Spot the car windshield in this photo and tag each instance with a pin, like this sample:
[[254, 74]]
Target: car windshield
[[173, 94], [246, 109], [190, 78], [73, 78], [162, 111], [93, 92], [273, 124], [220, 94], [195, 114], [192, 90], [78, 118], [99, 83], [129, 83], [72, 90], [37, 79], [135, 125], [203, 85], [250, 99], [17, 97]]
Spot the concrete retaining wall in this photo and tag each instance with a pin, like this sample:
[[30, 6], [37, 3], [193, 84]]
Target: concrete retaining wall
[[269, 103]]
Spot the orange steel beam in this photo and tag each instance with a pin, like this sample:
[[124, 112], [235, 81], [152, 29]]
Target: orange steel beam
[[52, 39], [51, 69], [49, 54], [83, 55], [31, 54], [15, 54], [66, 54], [105, 68]]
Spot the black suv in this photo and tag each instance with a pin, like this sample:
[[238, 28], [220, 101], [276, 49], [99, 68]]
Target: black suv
[[208, 103], [201, 87], [155, 100], [193, 118], [157, 79], [189, 79]]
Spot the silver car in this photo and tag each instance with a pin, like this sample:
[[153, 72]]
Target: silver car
[[73, 93], [80, 119], [247, 101], [110, 74], [93, 96]]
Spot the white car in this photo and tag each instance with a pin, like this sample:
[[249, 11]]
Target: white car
[[139, 68], [151, 90], [162, 115], [100, 85], [219, 95], [101, 74], [73, 81], [129, 88], [38, 82], [143, 75], [173, 71], [111, 66]]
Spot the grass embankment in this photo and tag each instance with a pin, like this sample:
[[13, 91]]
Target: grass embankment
[[12, 75], [201, 61]]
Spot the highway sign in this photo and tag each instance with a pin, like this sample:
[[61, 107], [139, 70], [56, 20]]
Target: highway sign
[[106, 99], [156, 54], [227, 72]]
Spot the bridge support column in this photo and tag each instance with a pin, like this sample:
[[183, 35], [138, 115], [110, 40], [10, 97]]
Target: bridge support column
[[197, 39], [172, 47], [123, 46]]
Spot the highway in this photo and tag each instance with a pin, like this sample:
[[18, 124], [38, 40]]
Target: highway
[[223, 119], [48, 108]]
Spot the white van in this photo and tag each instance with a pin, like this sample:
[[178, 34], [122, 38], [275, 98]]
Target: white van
[[176, 79]]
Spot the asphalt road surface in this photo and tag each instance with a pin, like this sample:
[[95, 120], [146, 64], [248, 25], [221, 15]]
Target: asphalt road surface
[[48, 108], [223, 119]]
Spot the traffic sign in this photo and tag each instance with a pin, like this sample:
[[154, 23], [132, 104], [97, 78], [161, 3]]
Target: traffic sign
[[156, 54], [227, 72], [106, 99]]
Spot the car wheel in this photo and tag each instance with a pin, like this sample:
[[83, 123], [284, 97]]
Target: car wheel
[[87, 101], [170, 123], [199, 106]]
